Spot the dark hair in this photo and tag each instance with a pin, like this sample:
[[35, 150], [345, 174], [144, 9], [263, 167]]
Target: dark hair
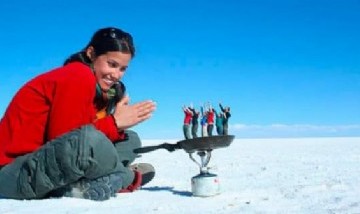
[[103, 41]]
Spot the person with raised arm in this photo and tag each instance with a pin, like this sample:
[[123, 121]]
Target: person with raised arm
[[227, 115]]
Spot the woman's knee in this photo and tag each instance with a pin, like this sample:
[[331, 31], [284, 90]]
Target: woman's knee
[[133, 138], [125, 149], [99, 154], [84, 152]]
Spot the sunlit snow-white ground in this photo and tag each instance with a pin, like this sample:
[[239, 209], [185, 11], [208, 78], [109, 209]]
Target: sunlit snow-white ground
[[303, 175]]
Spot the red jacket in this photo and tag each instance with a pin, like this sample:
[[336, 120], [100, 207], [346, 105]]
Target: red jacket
[[210, 117], [188, 116], [48, 106]]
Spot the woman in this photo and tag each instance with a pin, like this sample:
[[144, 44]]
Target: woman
[[210, 120], [227, 115], [187, 122], [203, 122], [194, 122], [65, 130], [219, 123]]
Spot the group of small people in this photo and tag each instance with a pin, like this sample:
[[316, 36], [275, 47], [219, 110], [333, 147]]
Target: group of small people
[[208, 117]]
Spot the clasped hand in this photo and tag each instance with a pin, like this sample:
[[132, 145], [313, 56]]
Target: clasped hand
[[127, 115]]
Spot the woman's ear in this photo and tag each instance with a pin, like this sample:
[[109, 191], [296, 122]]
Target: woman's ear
[[90, 52]]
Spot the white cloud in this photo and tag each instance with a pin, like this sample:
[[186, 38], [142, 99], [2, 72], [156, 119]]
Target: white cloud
[[294, 130]]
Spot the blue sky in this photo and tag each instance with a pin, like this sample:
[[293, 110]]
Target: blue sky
[[286, 68]]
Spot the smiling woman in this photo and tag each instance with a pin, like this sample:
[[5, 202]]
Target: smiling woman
[[68, 128]]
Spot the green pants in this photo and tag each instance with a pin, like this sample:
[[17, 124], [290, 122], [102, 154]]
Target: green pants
[[81, 153], [186, 130]]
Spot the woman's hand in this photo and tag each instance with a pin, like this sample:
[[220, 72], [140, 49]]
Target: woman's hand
[[127, 115]]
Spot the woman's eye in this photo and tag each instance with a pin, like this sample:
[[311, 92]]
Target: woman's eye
[[123, 69], [112, 64]]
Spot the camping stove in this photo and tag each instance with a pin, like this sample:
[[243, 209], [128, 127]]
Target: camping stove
[[204, 184]]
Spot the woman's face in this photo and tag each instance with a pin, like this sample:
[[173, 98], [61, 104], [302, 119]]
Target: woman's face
[[109, 68]]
